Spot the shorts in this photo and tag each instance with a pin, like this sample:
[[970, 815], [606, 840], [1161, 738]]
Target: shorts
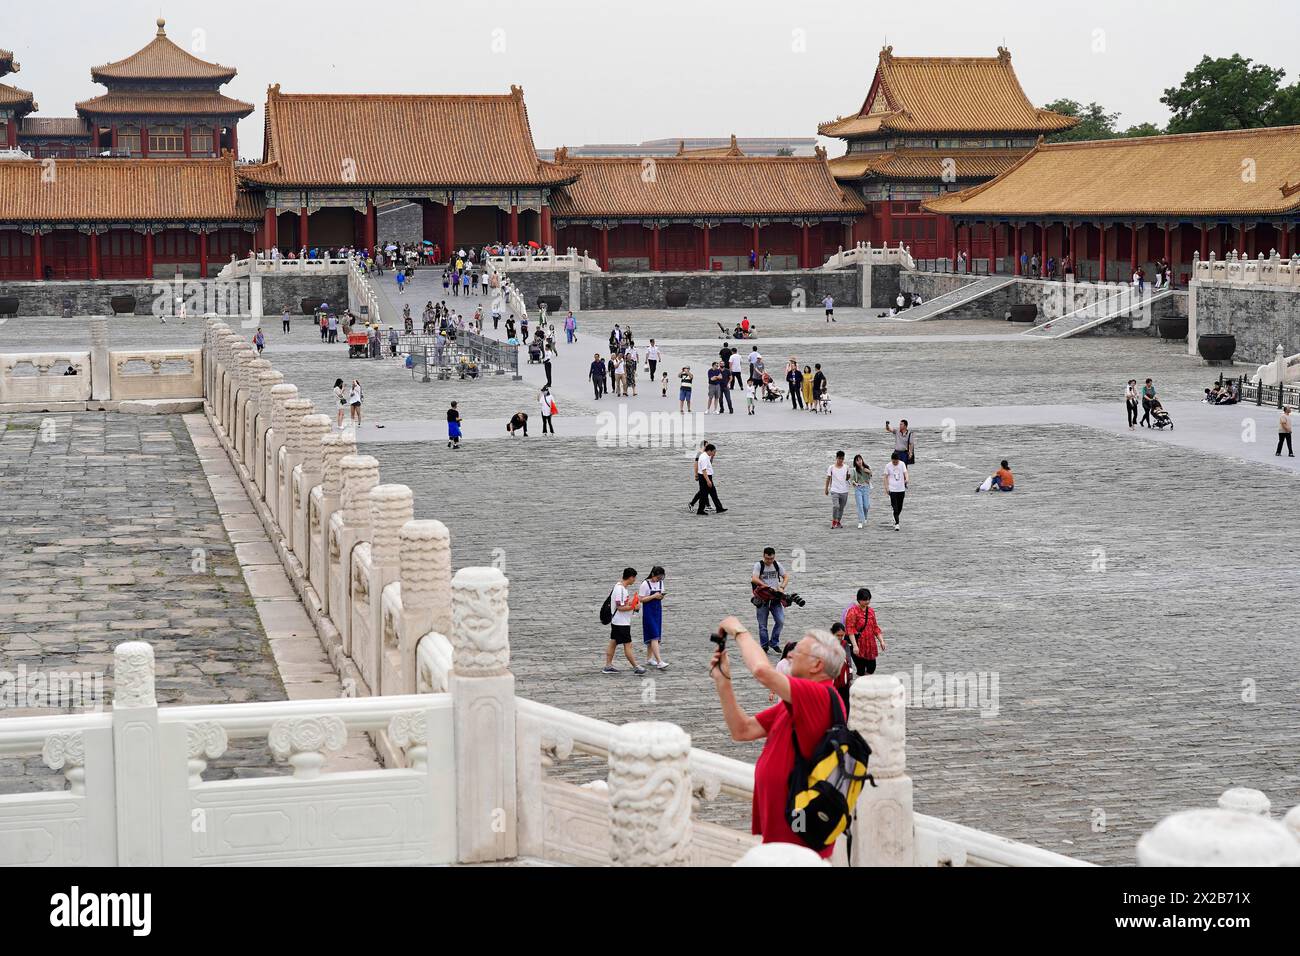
[[684, 395], [620, 633], [830, 311]]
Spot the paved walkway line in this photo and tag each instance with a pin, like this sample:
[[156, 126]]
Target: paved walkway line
[[299, 657]]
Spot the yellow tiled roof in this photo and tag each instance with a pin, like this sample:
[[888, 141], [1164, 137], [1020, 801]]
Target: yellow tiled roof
[[161, 59], [925, 164], [732, 150], [13, 96], [124, 190], [707, 186], [1234, 173], [178, 102], [934, 94]]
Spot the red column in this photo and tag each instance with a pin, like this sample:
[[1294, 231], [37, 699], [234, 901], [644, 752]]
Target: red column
[[1241, 238], [1133, 249], [604, 250], [203, 255], [758, 252], [1284, 239], [94, 255], [303, 234], [1015, 245], [1169, 251], [1205, 241], [708, 266], [144, 142], [270, 230], [38, 256], [803, 248], [234, 139], [11, 132], [186, 139], [654, 248], [1101, 255], [216, 141], [112, 142], [148, 255], [448, 227], [372, 227], [547, 239], [514, 223], [886, 224], [1042, 256]]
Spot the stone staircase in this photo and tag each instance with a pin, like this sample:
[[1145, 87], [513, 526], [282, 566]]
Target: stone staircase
[[1095, 314], [941, 304]]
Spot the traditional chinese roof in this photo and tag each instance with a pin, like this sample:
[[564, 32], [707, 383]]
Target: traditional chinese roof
[[162, 59], [61, 126], [12, 97], [1235, 173], [124, 190], [610, 187], [944, 94], [7, 64], [925, 164], [178, 103], [732, 150], [349, 140]]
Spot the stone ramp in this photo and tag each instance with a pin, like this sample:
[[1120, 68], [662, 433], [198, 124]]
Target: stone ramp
[[1093, 315], [942, 304]]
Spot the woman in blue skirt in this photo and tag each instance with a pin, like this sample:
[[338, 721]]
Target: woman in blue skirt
[[651, 594]]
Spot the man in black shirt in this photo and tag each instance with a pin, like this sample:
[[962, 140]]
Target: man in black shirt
[[597, 376]]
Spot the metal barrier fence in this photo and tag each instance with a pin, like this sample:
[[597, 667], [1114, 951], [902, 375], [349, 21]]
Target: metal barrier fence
[[454, 356], [1276, 396]]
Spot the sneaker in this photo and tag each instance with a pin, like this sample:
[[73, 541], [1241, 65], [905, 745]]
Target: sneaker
[[663, 665], [722, 510], [859, 525], [638, 669], [610, 669]]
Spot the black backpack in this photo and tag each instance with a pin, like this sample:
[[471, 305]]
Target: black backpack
[[607, 612], [823, 790]]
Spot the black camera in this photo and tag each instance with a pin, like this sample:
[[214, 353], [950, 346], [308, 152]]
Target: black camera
[[790, 598], [720, 638]]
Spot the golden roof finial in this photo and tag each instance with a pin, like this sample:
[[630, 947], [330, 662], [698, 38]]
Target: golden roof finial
[[1004, 54], [162, 24]]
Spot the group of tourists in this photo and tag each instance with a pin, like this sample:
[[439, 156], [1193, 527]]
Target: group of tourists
[[618, 372], [1154, 414], [348, 398], [808, 387]]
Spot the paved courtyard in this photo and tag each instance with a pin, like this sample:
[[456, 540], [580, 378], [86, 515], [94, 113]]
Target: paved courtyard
[[1133, 598]]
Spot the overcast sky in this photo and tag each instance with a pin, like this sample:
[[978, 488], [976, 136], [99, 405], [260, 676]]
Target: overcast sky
[[609, 71]]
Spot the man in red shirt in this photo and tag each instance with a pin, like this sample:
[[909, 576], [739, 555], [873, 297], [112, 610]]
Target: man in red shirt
[[805, 708]]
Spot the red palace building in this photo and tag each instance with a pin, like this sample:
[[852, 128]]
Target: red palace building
[[14, 103], [928, 126], [703, 210]]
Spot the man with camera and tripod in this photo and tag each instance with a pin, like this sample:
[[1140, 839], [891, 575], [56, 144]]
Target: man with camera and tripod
[[803, 713], [769, 583]]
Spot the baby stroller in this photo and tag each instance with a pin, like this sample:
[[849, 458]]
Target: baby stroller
[[1159, 417], [769, 390], [534, 353]]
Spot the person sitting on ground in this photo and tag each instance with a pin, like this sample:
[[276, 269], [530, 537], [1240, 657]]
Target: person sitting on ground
[[518, 422], [1230, 395], [1213, 394], [1002, 479]]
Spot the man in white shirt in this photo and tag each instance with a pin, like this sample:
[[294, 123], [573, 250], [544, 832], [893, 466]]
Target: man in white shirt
[[734, 364], [704, 475], [622, 603], [896, 484], [1284, 432], [829, 304], [755, 364], [837, 486]]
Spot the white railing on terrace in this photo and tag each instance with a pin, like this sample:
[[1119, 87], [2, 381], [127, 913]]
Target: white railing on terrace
[[1272, 270], [500, 284], [864, 253], [262, 264], [547, 259]]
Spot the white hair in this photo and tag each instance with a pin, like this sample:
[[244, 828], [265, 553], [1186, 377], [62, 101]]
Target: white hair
[[827, 649]]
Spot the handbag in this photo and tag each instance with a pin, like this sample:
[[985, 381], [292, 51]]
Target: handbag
[[554, 410]]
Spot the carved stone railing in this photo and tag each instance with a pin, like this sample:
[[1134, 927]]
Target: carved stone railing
[[262, 264], [39, 377], [864, 253], [546, 260], [155, 374], [1272, 270]]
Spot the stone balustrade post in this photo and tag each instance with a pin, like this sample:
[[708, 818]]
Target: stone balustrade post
[[275, 440], [247, 425], [245, 396], [1219, 838], [100, 372], [267, 380], [782, 855], [391, 507], [650, 795], [1245, 800], [210, 326], [240, 352], [334, 447], [311, 431], [359, 473], [425, 556], [225, 341], [483, 717], [295, 410], [137, 756], [883, 827]]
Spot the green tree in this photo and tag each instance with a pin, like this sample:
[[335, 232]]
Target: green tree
[[785, 151], [1231, 93], [1143, 129], [1094, 121]]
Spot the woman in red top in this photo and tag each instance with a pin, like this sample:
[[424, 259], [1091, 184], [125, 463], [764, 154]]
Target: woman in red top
[[860, 622]]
